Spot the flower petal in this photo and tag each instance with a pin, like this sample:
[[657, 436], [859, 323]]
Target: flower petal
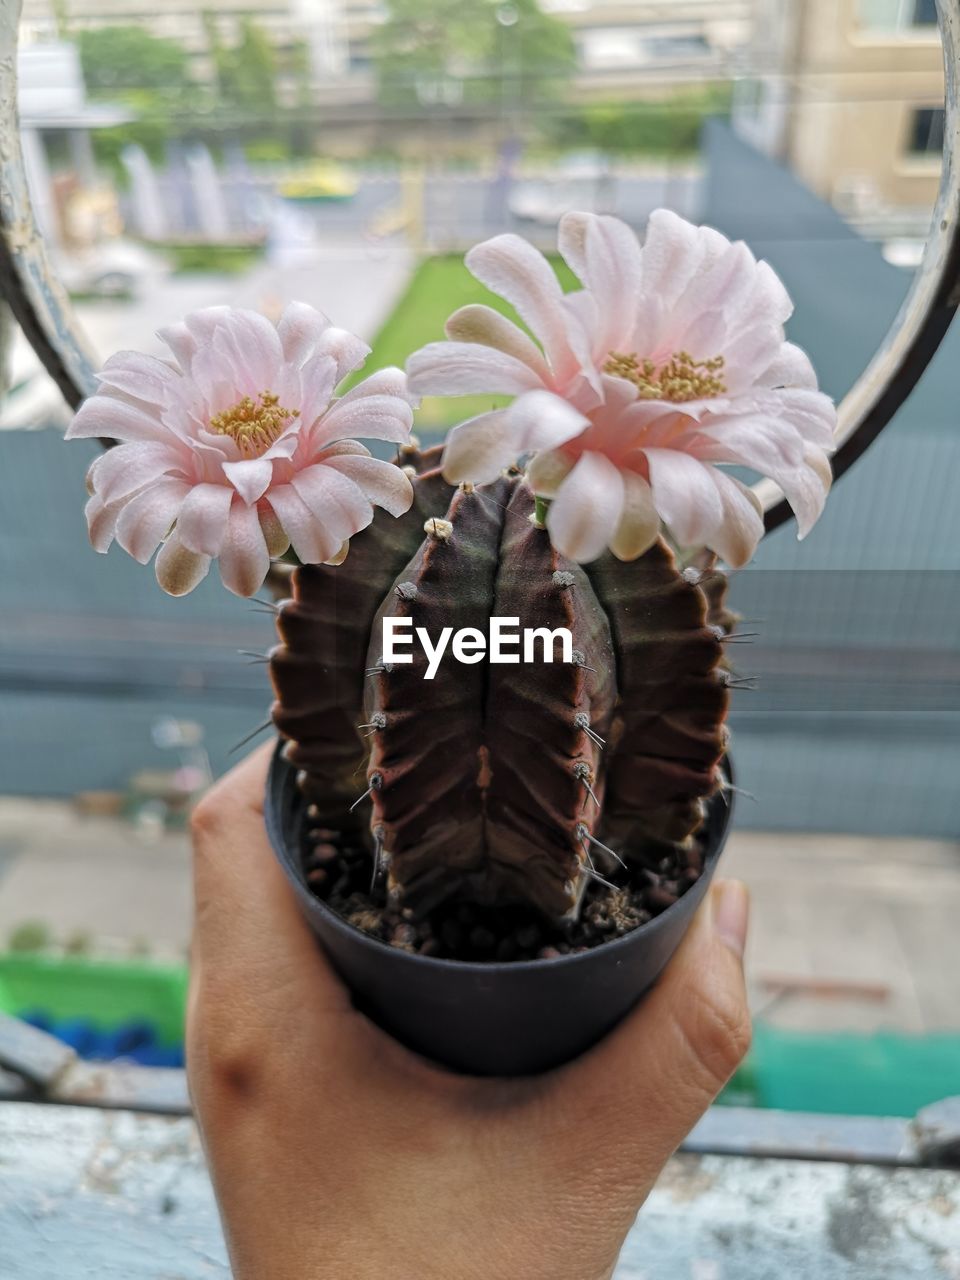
[[204, 322], [318, 380], [334, 499], [370, 417], [478, 450], [777, 450], [586, 512], [583, 382], [300, 329], [107, 418], [181, 341], [143, 377], [339, 556], [605, 254], [274, 535], [481, 324], [244, 559], [345, 349], [819, 463], [202, 522], [724, 289], [179, 570], [547, 471], [310, 538], [736, 537], [813, 414], [675, 253], [639, 524], [102, 521], [390, 381], [747, 354], [147, 519], [467, 368], [128, 467], [255, 344], [514, 269], [542, 420], [686, 497], [763, 444], [790, 368], [341, 447], [805, 491], [381, 482], [251, 477]]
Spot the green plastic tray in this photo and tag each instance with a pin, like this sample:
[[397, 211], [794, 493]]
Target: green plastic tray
[[106, 992]]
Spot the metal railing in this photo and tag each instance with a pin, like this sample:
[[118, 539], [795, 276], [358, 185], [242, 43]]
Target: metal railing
[[36, 1067]]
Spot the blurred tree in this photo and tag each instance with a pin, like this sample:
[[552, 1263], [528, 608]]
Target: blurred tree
[[296, 68], [669, 126], [445, 51], [116, 58], [215, 47], [61, 18], [247, 71]]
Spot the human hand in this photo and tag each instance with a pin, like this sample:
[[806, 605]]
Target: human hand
[[337, 1153]]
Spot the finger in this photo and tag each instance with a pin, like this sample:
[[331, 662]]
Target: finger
[[645, 1086], [247, 924]]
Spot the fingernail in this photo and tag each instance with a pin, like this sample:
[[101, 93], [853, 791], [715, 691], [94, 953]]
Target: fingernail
[[731, 910]]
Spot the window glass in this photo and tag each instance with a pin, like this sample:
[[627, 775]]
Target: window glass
[[347, 154], [926, 131], [896, 15], [880, 15], [924, 13]]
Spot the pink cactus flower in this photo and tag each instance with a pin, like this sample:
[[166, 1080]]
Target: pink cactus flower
[[669, 364], [237, 448]]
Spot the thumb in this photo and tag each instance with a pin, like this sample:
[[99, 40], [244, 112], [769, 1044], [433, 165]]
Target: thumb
[[648, 1083]]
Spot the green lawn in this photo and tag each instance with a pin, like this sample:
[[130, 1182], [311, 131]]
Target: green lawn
[[439, 286], [219, 259]]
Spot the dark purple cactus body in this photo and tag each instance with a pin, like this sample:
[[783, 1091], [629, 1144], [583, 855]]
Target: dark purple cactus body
[[501, 783]]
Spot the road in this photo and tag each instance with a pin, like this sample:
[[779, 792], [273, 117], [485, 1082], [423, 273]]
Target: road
[[356, 285]]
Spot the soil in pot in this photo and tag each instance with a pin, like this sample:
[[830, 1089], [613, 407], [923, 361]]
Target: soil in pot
[[616, 902]]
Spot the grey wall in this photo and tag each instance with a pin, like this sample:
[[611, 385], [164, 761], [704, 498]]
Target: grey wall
[[855, 724]]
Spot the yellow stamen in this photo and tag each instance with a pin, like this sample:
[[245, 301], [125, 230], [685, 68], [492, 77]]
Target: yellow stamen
[[254, 424], [681, 378]]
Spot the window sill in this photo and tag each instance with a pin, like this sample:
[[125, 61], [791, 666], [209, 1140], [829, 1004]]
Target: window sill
[[921, 37], [918, 167]]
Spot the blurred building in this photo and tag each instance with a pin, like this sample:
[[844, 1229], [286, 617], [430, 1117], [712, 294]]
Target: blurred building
[[175, 19], [55, 114], [286, 23], [849, 95], [627, 47]]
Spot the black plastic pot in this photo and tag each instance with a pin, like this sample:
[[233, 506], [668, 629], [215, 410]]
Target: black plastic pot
[[488, 1019]]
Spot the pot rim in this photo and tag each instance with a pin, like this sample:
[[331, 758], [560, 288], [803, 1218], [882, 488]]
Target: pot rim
[[283, 773]]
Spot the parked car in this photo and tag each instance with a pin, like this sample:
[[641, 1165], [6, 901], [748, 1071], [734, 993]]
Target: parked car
[[114, 269], [323, 181], [578, 182]]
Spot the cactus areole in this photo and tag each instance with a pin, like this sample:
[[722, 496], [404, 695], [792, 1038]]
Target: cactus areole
[[500, 810]]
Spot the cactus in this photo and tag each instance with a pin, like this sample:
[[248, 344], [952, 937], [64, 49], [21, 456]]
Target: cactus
[[497, 785], [566, 791]]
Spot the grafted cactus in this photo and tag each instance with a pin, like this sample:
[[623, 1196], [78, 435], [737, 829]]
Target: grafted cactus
[[479, 794], [506, 783]]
